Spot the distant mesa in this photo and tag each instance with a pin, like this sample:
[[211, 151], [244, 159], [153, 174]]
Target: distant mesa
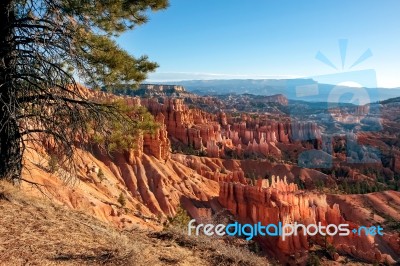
[[162, 88], [153, 90], [157, 90]]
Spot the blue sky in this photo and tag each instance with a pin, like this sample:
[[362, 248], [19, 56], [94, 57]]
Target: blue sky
[[216, 39]]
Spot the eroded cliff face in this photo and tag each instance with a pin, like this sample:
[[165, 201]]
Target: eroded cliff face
[[222, 136], [280, 201], [152, 189], [141, 186]]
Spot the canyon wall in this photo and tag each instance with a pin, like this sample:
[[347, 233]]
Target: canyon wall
[[222, 136], [280, 201], [141, 186]]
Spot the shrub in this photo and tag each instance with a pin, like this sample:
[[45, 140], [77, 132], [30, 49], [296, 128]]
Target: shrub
[[122, 199], [101, 175], [53, 164], [181, 218], [331, 250], [313, 260], [223, 170]]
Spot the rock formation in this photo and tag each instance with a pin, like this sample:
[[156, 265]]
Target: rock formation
[[151, 182], [224, 136], [143, 186], [280, 201]]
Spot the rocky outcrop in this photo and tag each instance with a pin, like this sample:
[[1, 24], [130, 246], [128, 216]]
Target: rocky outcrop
[[140, 186], [161, 87], [280, 201], [152, 189], [222, 136], [158, 144], [154, 90]]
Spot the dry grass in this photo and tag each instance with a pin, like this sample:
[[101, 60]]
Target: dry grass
[[37, 232], [213, 249]]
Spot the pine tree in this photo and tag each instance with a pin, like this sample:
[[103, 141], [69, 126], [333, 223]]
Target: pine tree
[[45, 46], [346, 187], [357, 188]]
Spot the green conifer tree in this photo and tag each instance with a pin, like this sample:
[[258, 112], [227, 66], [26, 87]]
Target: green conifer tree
[[45, 46]]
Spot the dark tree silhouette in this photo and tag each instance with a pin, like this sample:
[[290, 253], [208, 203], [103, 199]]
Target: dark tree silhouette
[[45, 47]]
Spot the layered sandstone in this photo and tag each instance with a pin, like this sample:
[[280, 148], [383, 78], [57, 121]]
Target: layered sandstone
[[280, 201], [152, 188], [222, 136], [151, 183]]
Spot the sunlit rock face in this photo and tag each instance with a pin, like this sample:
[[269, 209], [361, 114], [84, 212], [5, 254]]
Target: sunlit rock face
[[152, 184], [280, 201], [222, 137]]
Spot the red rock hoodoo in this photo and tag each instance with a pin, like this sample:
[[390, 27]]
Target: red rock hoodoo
[[283, 202]]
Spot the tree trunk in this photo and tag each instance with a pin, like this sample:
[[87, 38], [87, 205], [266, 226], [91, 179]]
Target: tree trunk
[[10, 143]]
